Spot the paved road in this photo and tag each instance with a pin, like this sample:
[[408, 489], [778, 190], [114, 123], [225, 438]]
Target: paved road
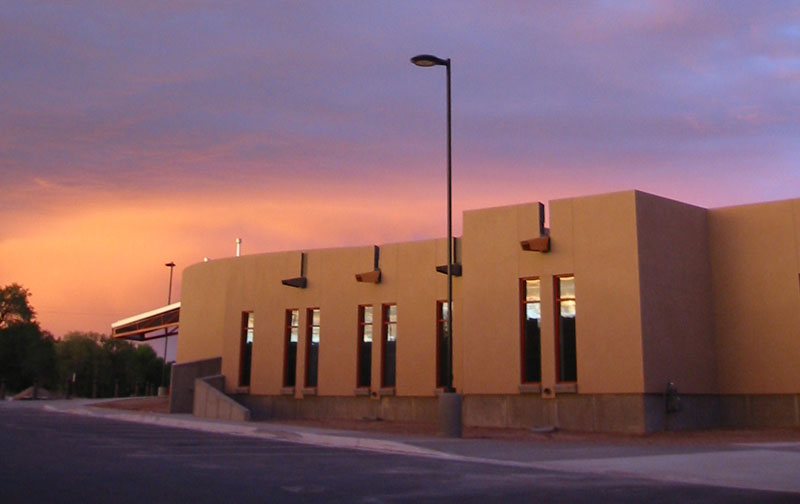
[[53, 457]]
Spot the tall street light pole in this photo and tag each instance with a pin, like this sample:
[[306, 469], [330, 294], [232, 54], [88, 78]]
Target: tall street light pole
[[171, 266], [449, 401]]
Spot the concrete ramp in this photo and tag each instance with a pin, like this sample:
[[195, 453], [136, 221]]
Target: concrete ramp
[[34, 393], [210, 401]]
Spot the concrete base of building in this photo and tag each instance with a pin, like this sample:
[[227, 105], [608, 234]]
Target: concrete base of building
[[627, 413], [399, 409], [762, 410], [695, 411], [605, 413], [581, 412], [449, 417]]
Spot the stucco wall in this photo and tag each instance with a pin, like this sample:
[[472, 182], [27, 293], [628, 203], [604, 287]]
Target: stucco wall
[[607, 293], [664, 291], [490, 333], [219, 291], [755, 265], [676, 298], [593, 238], [204, 288]]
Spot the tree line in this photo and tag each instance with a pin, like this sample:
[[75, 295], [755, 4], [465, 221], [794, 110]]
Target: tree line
[[83, 364]]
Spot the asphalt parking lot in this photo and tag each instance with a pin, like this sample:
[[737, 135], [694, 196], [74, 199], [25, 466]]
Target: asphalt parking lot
[[55, 457]]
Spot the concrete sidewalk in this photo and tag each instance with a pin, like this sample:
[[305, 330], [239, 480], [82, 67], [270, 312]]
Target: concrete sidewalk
[[758, 466]]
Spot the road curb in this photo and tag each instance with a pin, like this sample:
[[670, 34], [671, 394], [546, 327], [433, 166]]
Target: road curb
[[260, 432]]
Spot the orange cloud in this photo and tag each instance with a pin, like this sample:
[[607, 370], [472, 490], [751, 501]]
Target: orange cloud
[[91, 256], [93, 259]]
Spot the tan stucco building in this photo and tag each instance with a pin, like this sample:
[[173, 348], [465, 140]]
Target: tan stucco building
[[582, 325]]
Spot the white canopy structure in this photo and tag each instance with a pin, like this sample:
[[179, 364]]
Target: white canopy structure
[[159, 323]]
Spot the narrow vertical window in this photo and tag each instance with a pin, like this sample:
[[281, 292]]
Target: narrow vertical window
[[531, 320], [364, 357], [441, 344], [389, 345], [246, 351], [291, 331], [566, 351], [312, 346]]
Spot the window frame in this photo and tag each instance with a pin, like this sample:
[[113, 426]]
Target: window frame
[[385, 323], [360, 345], [523, 312], [309, 344], [287, 341], [441, 320], [247, 333], [557, 300]]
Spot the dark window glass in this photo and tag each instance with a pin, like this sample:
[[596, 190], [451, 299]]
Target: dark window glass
[[364, 346], [531, 331], [291, 332], [567, 351], [389, 345], [246, 354], [441, 343], [312, 347]]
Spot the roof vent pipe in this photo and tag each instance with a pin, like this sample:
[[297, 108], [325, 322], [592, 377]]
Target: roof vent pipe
[[238, 247]]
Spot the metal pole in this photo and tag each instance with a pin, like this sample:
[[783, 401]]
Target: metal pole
[[170, 265], [449, 383], [169, 294], [449, 407]]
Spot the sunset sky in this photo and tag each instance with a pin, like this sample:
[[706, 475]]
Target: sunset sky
[[134, 133]]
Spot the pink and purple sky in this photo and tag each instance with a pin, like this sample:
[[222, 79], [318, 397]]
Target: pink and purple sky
[[137, 133]]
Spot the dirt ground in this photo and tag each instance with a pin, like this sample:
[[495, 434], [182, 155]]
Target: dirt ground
[[695, 437], [149, 404]]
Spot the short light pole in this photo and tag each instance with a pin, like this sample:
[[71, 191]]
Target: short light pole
[[449, 401], [171, 266]]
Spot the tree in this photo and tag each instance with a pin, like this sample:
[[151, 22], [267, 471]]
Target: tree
[[106, 367], [117, 355], [27, 354], [86, 364], [79, 358], [146, 368], [14, 306]]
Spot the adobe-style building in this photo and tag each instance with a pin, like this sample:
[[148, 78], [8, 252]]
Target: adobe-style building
[[630, 313]]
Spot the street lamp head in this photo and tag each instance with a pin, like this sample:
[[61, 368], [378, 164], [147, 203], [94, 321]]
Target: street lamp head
[[170, 264], [428, 60]]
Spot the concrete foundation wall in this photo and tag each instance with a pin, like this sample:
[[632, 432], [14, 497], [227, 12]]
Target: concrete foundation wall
[[697, 411], [181, 398], [760, 411], [399, 409], [580, 412], [632, 413]]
